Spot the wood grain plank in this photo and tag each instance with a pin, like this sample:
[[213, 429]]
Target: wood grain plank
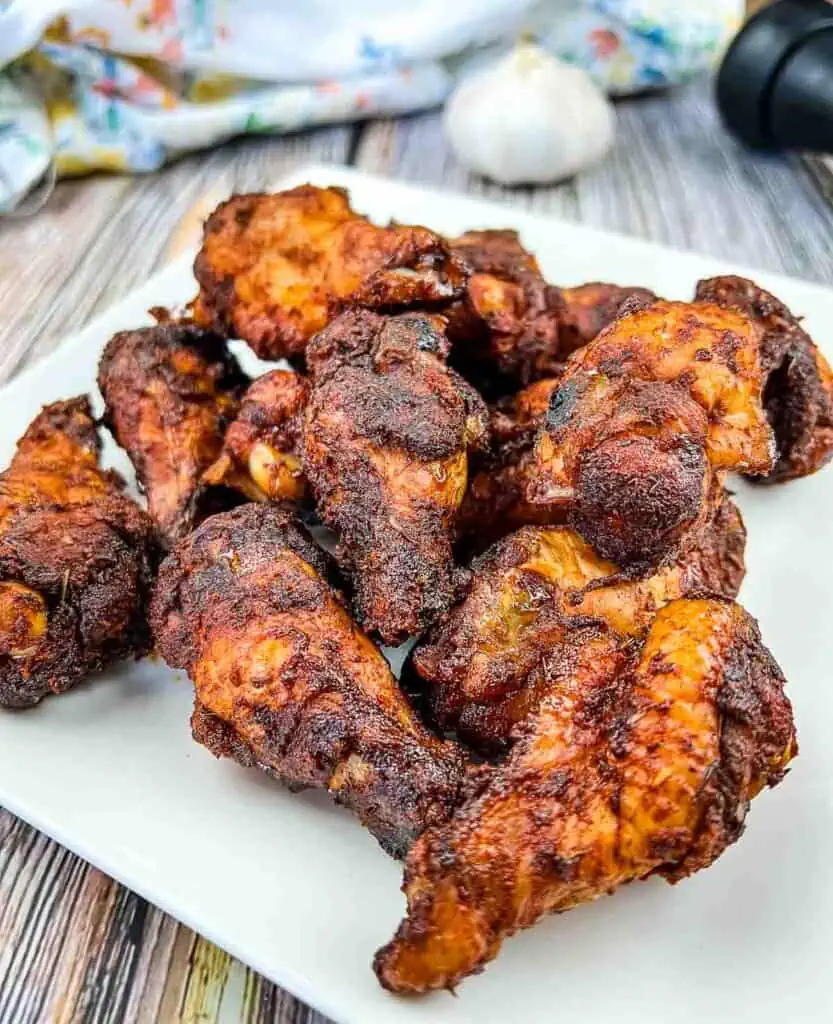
[[98, 239], [38, 257]]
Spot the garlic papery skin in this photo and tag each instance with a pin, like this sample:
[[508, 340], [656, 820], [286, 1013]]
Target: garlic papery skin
[[529, 119]]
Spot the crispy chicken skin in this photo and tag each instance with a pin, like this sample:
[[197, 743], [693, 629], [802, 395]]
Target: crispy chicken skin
[[511, 327], [632, 764], [508, 321], [798, 396], [483, 666], [516, 418], [591, 307], [273, 268], [389, 428], [170, 392], [644, 424], [261, 456], [76, 560], [284, 679], [495, 500]]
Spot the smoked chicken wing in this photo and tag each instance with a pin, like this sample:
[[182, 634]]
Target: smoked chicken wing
[[495, 500], [591, 307], [505, 328], [634, 762], [285, 681], [389, 428], [273, 268], [798, 395], [511, 326], [261, 456], [76, 560], [643, 426], [482, 667], [170, 392]]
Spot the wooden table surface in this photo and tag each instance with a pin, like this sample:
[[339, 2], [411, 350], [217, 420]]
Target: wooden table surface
[[74, 945]]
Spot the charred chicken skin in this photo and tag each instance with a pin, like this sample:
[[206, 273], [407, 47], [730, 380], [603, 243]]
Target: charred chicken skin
[[285, 681], [515, 419], [170, 391], [589, 308], [635, 761], [388, 433], [76, 560], [495, 502], [643, 426], [274, 268], [511, 327], [506, 327], [798, 395], [483, 667], [261, 456]]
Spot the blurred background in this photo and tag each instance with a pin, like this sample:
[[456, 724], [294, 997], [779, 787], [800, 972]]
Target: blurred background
[[91, 85]]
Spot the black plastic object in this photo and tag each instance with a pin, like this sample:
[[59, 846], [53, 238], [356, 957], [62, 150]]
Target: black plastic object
[[775, 86]]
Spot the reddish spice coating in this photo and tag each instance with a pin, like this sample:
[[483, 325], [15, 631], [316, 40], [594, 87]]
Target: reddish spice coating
[[261, 455], [76, 560], [495, 502], [506, 327], [482, 667], [591, 307], [798, 394], [170, 391], [644, 424], [273, 268], [512, 327], [284, 680], [637, 759], [389, 429]]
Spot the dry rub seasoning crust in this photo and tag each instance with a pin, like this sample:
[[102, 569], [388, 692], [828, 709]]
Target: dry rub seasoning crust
[[505, 329], [274, 268], [389, 429], [284, 680], [798, 395], [643, 426], [512, 327], [591, 307], [636, 761], [262, 449], [76, 560], [495, 501], [481, 669], [170, 391]]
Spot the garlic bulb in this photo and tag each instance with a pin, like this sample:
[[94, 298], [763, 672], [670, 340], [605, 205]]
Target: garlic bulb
[[529, 119]]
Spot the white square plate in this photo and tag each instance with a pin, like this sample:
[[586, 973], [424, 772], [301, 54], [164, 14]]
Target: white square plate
[[295, 887]]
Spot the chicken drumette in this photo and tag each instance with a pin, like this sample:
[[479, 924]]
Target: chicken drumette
[[644, 425], [261, 456], [170, 392], [482, 668], [505, 329], [273, 268], [511, 327], [284, 680], [798, 395], [389, 428], [495, 501], [635, 761], [76, 560]]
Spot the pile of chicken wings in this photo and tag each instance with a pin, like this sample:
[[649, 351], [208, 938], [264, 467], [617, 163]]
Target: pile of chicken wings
[[525, 482]]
